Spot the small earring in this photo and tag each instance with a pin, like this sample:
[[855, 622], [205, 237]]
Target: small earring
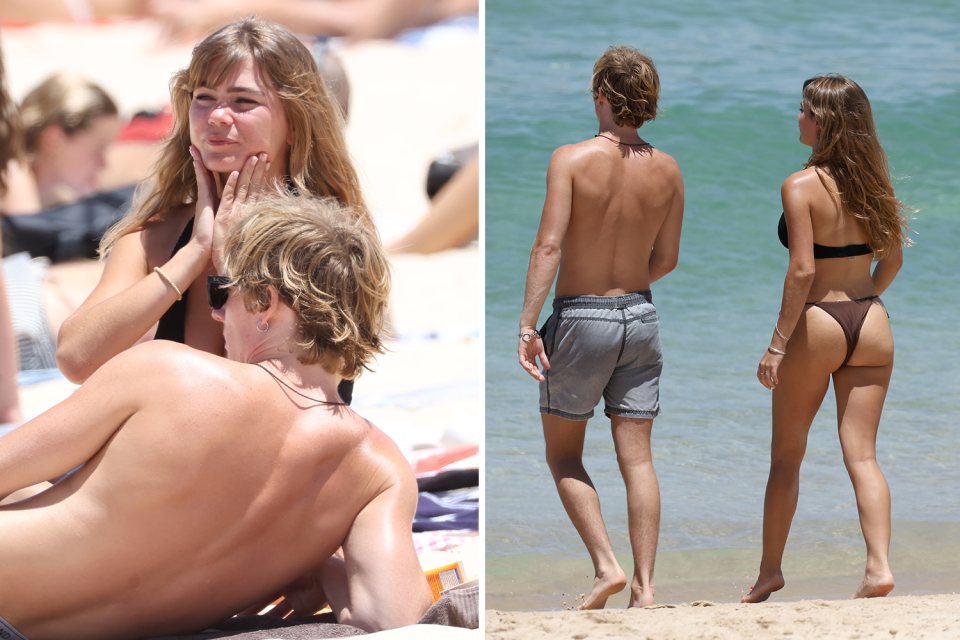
[[262, 330]]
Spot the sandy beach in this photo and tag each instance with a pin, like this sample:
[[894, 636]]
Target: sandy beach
[[912, 616]]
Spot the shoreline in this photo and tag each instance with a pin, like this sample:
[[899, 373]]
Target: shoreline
[[908, 616], [924, 558]]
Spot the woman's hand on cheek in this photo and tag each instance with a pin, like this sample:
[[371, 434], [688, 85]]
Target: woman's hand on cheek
[[203, 221], [241, 190]]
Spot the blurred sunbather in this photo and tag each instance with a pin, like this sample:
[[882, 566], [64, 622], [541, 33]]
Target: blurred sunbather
[[68, 123], [209, 484], [453, 218], [354, 19]]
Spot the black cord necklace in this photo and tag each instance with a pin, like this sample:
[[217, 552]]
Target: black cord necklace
[[272, 375], [629, 144]]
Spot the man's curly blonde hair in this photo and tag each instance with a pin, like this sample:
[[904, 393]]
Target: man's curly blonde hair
[[629, 81], [325, 265]]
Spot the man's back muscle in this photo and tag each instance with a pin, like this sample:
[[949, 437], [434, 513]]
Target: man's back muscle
[[215, 490], [620, 198]]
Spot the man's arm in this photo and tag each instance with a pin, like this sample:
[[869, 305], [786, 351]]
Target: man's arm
[[545, 255], [666, 248], [385, 585], [72, 432]]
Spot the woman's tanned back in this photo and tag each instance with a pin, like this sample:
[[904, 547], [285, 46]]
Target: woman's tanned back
[[621, 197]]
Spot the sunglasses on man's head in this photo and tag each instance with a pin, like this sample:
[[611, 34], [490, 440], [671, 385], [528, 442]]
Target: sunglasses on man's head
[[217, 291]]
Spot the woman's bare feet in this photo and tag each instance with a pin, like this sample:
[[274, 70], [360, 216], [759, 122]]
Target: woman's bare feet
[[604, 586], [640, 597], [875, 586], [764, 587]]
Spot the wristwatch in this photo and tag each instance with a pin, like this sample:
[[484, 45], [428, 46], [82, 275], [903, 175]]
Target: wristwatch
[[527, 337]]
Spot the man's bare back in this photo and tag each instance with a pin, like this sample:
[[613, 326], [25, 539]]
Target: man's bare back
[[620, 198], [610, 226], [208, 487]]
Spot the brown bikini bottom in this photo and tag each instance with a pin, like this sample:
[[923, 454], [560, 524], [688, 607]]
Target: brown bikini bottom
[[850, 315]]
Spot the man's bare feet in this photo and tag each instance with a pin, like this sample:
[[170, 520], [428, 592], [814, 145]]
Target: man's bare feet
[[639, 597], [604, 587], [764, 587], [875, 586]]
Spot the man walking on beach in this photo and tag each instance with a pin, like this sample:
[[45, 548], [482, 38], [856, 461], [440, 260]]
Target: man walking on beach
[[611, 224]]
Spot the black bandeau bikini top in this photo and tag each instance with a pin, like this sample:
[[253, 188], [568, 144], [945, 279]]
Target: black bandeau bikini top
[[820, 251]]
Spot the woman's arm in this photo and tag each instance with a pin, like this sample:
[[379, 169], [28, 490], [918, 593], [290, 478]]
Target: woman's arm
[[131, 296], [799, 278], [129, 299], [887, 269]]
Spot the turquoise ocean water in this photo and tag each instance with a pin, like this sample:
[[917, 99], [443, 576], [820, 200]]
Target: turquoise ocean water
[[731, 74]]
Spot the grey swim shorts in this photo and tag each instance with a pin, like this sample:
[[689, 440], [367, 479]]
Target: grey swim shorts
[[602, 346], [7, 632]]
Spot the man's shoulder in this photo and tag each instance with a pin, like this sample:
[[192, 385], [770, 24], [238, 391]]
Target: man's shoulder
[[167, 363], [396, 473], [665, 160], [576, 150], [571, 158]]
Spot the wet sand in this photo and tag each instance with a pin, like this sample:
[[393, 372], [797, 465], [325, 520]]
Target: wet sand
[[911, 616]]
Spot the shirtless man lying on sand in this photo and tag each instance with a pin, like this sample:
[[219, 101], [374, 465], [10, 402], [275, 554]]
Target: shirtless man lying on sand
[[209, 484]]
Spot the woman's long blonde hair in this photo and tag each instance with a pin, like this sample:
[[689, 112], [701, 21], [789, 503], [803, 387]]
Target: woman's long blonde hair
[[318, 162], [11, 137], [849, 150]]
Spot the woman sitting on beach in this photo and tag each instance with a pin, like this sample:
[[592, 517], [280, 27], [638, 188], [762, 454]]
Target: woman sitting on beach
[[250, 110], [839, 213], [68, 123]]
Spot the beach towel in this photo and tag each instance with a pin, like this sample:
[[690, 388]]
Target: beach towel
[[448, 510], [455, 608]]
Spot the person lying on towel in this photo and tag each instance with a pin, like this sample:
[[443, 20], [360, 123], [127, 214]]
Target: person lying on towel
[[202, 485]]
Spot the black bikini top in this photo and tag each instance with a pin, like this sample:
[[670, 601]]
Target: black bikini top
[[819, 250]]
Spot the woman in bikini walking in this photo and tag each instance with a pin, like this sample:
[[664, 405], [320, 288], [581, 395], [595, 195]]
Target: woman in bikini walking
[[840, 214]]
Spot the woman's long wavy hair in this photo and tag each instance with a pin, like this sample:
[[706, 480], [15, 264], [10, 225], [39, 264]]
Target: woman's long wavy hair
[[318, 162], [11, 137], [849, 150]]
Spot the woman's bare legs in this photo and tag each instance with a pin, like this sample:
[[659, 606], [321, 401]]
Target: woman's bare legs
[[454, 215], [804, 376], [861, 388], [632, 439], [564, 449]]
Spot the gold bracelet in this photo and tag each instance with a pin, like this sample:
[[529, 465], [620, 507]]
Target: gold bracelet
[[167, 279]]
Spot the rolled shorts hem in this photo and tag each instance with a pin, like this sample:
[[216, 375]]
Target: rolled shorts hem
[[628, 413], [568, 416]]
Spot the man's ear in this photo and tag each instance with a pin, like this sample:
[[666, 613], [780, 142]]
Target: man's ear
[[271, 311]]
